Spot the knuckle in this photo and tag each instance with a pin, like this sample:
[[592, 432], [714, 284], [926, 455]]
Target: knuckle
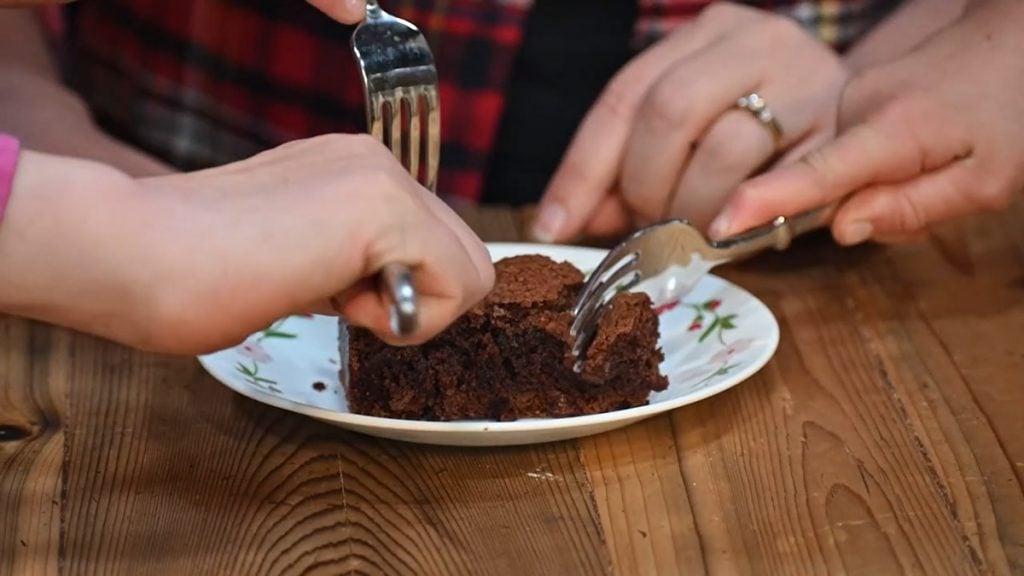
[[907, 114], [823, 167], [618, 99], [867, 81], [339, 145], [908, 215], [363, 143], [775, 28], [993, 195], [387, 200], [338, 142], [666, 104], [723, 11], [898, 111], [723, 151], [715, 10]]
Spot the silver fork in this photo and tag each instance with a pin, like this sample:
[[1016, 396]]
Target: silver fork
[[679, 248], [402, 110]]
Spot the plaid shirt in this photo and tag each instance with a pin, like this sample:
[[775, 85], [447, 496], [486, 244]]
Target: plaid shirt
[[205, 82]]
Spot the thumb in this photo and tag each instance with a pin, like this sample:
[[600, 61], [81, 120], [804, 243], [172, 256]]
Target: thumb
[[344, 11], [897, 144], [900, 210]]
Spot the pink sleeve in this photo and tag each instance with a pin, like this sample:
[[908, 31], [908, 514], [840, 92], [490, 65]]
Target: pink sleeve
[[9, 146]]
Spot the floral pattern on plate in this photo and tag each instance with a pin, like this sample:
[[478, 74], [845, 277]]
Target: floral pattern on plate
[[714, 338]]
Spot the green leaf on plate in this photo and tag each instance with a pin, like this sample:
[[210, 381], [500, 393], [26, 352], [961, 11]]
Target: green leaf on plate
[[709, 330]]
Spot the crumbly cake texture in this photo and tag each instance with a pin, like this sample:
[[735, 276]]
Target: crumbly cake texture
[[509, 356]]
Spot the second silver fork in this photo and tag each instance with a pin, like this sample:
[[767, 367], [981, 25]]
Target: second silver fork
[[680, 248], [402, 111]]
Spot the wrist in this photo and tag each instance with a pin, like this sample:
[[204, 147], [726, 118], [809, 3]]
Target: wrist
[[67, 245]]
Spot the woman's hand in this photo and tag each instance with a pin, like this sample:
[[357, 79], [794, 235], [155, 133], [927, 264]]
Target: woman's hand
[[666, 139], [932, 136], [195, 262]]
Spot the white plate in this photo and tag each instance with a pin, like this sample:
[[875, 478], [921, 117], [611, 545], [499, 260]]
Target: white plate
[[718, 336]]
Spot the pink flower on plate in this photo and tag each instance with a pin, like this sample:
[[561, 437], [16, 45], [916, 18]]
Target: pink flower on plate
[[693, 374], [666, 307], [254, 351], [726, 354]]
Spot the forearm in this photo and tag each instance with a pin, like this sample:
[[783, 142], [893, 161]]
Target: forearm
[[44, 114], [907, 27], [72, 244]]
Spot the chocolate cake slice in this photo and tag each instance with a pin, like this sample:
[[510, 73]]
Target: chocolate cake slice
[[509, 356]]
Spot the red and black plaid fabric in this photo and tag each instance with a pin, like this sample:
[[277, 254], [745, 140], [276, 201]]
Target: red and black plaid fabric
[[204, 82]]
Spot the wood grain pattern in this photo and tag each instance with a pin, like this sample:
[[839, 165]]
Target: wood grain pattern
[[32, 407], [195, 478], [864, 447], [884, 438]]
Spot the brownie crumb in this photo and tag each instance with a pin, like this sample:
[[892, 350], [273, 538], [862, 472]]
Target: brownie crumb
[[319, 386]]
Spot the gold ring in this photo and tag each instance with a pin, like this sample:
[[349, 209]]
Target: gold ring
[[756, 105]]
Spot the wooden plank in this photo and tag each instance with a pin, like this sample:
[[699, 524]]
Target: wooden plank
[[838, 462], [643, 498], [32, 407], [883, 438], [170, 472], [963, 345]]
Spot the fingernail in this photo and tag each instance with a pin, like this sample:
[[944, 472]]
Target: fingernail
[[720, 225], [856, 232], [548, 222]]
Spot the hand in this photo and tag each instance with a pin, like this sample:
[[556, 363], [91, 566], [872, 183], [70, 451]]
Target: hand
[[194, 262], [929, 137], [665, 138], [344, 11]]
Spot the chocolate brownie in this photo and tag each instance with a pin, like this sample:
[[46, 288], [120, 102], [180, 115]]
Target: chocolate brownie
[[509, 356]]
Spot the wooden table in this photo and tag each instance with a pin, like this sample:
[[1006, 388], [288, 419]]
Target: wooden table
[[886, 436]]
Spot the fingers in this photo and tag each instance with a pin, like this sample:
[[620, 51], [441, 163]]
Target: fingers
[[473, 247], [447, 280], [898, 144], [895, 211], [344, 11], [373, 213], [675, 115], [610, 219], [825, 175], [643, 132], [735, 147], [591, 164], [451, 270]]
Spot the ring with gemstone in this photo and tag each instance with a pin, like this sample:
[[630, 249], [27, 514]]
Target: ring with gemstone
[[756, 105]]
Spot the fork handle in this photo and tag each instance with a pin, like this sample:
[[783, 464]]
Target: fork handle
[[401, 297], [778, 234]]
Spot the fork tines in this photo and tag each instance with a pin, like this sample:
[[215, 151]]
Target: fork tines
[[615, 273], [395, 117], [400, 83]]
